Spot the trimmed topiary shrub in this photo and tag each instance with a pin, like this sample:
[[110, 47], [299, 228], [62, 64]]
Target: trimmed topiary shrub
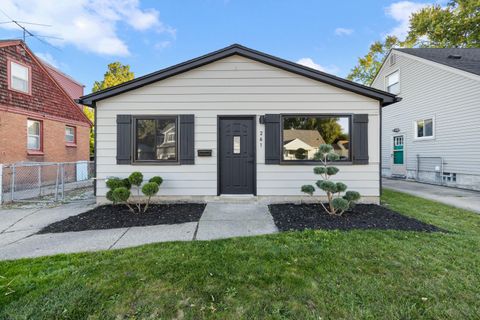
[[337, 204], [120, 191]]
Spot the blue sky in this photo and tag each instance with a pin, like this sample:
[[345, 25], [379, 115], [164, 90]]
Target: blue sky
[[150, 35]]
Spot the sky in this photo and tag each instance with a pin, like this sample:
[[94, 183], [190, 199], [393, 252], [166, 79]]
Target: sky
[[150, 35]]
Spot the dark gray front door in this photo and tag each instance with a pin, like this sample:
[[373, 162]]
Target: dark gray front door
[[236, 155]]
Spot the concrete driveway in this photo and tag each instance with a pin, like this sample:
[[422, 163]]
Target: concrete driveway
[[18, 228], [460, 198]]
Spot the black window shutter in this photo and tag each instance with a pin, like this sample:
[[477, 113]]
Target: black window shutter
[[187, 139], [124, 139], [272, 139], [360, 139]]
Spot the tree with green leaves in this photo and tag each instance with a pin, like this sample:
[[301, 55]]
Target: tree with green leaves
[[117, 73], [456, 25], [90, 113]]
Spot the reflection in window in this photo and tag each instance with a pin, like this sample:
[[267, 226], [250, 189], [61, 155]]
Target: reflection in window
[[424, 128], [155, 139], [302, 135]]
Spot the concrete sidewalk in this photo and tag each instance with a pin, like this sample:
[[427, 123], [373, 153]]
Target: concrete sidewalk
[[18, 228], [460, 198]]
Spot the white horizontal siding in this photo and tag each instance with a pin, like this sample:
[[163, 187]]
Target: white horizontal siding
[[453, 99], [234, 86]]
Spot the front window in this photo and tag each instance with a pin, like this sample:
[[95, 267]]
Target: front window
[[424, 128], [34, 140], [19, 77], [302, 135], [156, 139], [69, 134], [392, 82]]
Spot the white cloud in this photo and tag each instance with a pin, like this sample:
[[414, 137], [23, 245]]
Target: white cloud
[[88, 24], [308, 62], [48, 58], [401, 12], [343, 31], [162, 45]]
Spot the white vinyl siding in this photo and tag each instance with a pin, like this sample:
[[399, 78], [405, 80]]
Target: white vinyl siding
[[234, 86], [19, 77], [451, 99]]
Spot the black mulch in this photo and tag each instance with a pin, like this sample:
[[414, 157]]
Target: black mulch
[[289, 216], [109, 217]]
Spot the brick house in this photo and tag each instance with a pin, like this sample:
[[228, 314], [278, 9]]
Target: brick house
[[39, 120]]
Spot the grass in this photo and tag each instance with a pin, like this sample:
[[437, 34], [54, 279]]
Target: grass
[[294, 275]]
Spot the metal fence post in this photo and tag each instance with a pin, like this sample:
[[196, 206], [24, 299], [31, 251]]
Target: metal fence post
[[12, 189], [418, 167], [63, 181], [1, 184], [39, 180], [56, 183]]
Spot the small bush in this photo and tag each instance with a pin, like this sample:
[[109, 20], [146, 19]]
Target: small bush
[[136, 178], [158, 180], [337, 204]]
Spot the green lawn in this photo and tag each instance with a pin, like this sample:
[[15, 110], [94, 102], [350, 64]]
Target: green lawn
[[296, 275]]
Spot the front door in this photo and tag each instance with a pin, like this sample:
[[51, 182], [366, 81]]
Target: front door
[[236, 156], [398, 156]]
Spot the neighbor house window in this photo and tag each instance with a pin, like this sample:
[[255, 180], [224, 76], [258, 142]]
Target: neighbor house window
[[392, 82], [302, 135], [34, 140], [70, 134], [156, 138], [424, 128], [19, 77]]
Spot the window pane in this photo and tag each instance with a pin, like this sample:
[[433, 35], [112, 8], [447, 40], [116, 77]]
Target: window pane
[[19, 84], [419, 129], [394, 88], [156, 139], [33, 127], [303, 135], [33, 142], [69, 134], [392, 78], [19, 71], [428, 128]]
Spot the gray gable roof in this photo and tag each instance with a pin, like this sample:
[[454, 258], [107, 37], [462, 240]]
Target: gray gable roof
[[466, 59], [385, 98]]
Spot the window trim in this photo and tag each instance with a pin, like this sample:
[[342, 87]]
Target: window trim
[[385, 82], [9, 76], [134, 140], [74, 142], [415, 129], [38, 151], [324, 115]]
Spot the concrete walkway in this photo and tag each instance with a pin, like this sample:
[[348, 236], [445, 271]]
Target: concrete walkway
[[18, 228], [464, 199]]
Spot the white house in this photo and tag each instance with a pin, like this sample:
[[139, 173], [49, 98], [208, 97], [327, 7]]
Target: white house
[[432, 134], [228, 110]]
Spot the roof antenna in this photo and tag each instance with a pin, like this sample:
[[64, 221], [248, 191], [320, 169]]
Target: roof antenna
[[28, 33]]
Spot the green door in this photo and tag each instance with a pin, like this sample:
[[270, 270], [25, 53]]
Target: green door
[[398, 150]]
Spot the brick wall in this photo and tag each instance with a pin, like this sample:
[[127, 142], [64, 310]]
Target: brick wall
[[13, 140]]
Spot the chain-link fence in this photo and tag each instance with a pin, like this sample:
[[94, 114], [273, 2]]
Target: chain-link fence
[[430, 169], [46, 182]]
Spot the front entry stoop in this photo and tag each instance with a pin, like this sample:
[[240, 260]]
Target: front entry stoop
[[226, 220]]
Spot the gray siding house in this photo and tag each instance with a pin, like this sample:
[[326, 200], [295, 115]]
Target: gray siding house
[[237, 122], [432, 134]]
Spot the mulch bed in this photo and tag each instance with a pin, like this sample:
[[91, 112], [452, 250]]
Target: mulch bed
[[289, 216], [109, 217]]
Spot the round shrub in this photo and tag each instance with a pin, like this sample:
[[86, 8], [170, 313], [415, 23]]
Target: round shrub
[[351, 196], [341, 187], [121, 194], [150, 188], [158, 180], [333, 156], [126, 183], [114, 183], [327, 186], [340, 203], [136, 178], [319, 170], [308, 189], [332, 171], [325, 148], [109, 196]]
